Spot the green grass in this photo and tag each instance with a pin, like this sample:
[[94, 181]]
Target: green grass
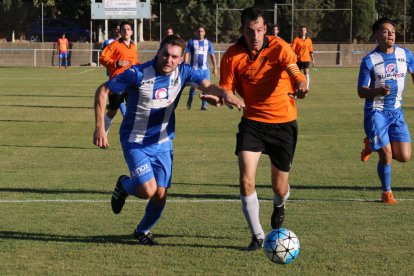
[[48, 162]]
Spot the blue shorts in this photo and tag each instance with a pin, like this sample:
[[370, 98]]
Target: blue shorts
[[63, 55], [383, 127], [147, 162]]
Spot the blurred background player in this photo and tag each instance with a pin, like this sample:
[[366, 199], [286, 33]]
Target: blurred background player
[[63, 50], [302, 46], [196, 54], [276, 30], [169, 31], [148, 128], [117, 57], [114, 35], [263, 71], [381, 83]]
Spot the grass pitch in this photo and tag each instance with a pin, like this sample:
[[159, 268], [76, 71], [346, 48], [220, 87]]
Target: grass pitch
[[55, 188]]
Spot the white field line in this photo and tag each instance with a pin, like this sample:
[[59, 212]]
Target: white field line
[[190, 200], [83, 72]]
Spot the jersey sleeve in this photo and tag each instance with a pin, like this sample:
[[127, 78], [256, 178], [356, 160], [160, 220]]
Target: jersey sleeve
[[410, 61], [310, 46], [364, 77], [227, 77], [130, 77], [193, 77], [188, 47], [106, 57]]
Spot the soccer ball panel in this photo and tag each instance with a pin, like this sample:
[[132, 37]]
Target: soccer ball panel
[[281, 246]]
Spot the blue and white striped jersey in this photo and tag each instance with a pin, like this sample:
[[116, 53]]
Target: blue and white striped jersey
[[152, 99], [380, 69], [199, 51]]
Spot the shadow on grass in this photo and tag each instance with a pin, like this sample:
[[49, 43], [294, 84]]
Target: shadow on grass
[[52, 191], [56, 147], [110, 239], [47, 106]]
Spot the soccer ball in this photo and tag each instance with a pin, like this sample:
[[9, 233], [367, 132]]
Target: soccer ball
[[281, 246]]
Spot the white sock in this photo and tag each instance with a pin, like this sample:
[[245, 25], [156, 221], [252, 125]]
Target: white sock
[[279, 201], [108, 122], [250, 207], [308, 80]]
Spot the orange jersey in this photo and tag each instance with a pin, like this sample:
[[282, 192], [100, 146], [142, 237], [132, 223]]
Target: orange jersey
[[263, 82], [63, 45], [302, 48], [116, 51]]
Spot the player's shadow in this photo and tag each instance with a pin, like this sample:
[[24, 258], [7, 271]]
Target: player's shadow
[[47, 106], [52, 191], [54, 147], [110, 239]]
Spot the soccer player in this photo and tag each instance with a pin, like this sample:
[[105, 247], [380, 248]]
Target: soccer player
[[117, 57], [263, 71], [196, 54], [63, 50], [115, 35], [169, 31], [154, 89], [276, 30], [302, 46], [381, 83]]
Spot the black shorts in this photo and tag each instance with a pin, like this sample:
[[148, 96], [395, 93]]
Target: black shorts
[[276, 140], [116, 99], [302, 65]]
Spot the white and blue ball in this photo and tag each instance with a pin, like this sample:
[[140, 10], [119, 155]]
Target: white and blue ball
[[281, 246]]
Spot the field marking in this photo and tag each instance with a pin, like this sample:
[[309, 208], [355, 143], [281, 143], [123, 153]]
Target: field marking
[[87, 71], [189, 200]]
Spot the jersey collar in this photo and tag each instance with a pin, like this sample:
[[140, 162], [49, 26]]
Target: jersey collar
[[242, 41]]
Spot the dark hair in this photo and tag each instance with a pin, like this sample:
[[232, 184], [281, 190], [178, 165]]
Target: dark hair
[[276, 25], [378, 24], [116, 24], [126, 23], [303, 26], [173, 40], [251, 14]]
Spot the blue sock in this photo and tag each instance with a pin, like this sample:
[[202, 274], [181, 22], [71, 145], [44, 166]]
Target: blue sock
[[152, 214], [384, 173], [122, 107], [128, 186]]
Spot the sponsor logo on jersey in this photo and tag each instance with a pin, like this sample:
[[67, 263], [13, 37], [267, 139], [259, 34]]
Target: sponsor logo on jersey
[[161, 94], [390, 73]]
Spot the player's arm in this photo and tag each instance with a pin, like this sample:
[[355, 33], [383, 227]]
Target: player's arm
[[216, 95], [288, 59], [213, 61], [106, 57], [364, 78], [366, 92], [100, 138]]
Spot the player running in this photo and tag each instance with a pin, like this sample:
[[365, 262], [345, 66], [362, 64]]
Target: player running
[[154, 89], [117, 57], [381, 83], [263, 71], [303, 47]]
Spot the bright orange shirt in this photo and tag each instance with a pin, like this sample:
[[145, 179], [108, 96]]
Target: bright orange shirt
[[302, 48], [116, 51], [63, 45], [262, 82]]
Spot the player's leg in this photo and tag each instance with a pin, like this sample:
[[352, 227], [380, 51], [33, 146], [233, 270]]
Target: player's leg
[[249, 147], [280, 146], [206, 74], [250, 203], [306, 70], [60, 59], [384, 174], [401, 151], [162, 167], [190, 97], [66, 59], [152, 214], [400, 138]]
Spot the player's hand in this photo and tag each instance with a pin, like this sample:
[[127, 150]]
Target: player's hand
[[231, 100], [384, 90], [211, 99], [123, 63], [100, 138], [301, 90]]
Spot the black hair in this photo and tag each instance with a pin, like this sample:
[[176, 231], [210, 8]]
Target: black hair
[[378, 24], [173, 40], [250, 14]]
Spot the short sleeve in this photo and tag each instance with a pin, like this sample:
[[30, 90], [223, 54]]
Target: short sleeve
[[364, 77], [130, 77]]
